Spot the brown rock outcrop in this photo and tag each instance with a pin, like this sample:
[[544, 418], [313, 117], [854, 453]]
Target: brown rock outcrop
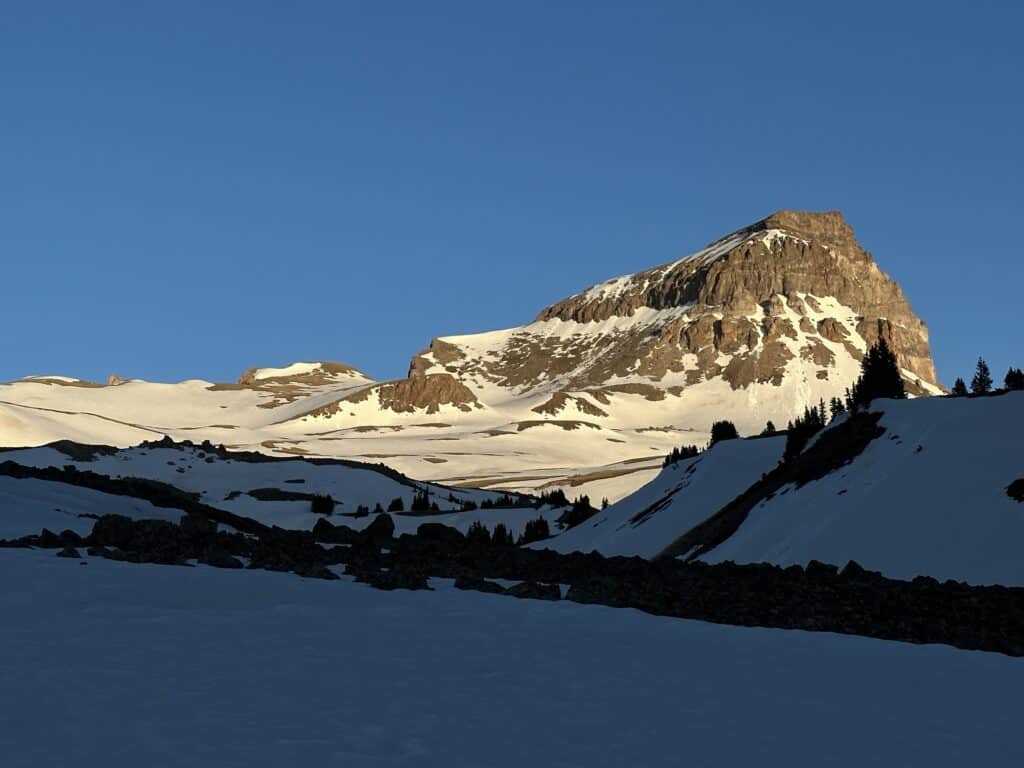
[[778, 265]]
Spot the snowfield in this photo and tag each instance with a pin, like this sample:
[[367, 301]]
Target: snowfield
[[927, 497], [28, 505], [128, 665], [681, 496]]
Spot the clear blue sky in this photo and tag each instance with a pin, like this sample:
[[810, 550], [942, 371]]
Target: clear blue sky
[[189, 188]]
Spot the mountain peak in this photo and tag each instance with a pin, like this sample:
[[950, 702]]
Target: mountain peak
[[827, 227]]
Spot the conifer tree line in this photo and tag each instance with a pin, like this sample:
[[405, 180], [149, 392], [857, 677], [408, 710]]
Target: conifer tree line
[[982, 383], [678, 454], [879, 377]]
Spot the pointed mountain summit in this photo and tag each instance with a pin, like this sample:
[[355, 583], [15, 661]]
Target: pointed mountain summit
[[792, 301]]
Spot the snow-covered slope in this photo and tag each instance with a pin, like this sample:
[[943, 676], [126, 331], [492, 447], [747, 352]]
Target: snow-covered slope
[[586, 397], [29, 505], [238, 483], [118, 664], [927, 497], [681, 496]]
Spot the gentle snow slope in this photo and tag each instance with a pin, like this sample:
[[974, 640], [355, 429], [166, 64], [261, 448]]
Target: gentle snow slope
[[124, 665], [681, 496], [223, 482], [927, 497], [27, 506]]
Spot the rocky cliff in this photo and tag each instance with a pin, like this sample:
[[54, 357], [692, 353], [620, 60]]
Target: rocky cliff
[[795, 286]]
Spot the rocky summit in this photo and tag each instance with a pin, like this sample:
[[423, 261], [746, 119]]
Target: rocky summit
[[589, 396]]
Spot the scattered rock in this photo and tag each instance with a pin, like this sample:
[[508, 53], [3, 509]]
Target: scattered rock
[[535, 590], [479, 585]]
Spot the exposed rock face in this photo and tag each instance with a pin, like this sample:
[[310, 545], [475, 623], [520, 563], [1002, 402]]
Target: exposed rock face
[[422, 392], [428, 392], [794, 286], [314, 375]]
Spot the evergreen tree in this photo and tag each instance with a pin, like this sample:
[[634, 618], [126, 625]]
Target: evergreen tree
[[803, 429], [723, 430], [555, 498], [478, 534], [678, 454], [836, 408], [501, 537], [981, 384], [879, 376], [535, 530], [1014, 379], [420, 502], [321, 504], [577, 513], [769, 428], [396, 505], [959, 388], [378, 509]]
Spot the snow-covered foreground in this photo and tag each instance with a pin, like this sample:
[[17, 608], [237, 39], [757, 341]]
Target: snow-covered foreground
[[126, 665]]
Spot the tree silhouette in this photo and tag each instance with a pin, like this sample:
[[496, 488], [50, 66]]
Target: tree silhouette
[[678, 454], [478, 534], [723, 430], [959, 388], [1014, 379], [535, 530], [879, 376], [803, 429], [501, 537], [981, 384], [321, 504]]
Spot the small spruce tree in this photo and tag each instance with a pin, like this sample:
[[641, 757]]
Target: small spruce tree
[[321, 504], [959, 388], [478, 534], [420, 502], [723, 430], [879, 376], [535, 530], [802, 430], [836, 408], [981, 384], [1014, 379], [769, 428], [501, 537]]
